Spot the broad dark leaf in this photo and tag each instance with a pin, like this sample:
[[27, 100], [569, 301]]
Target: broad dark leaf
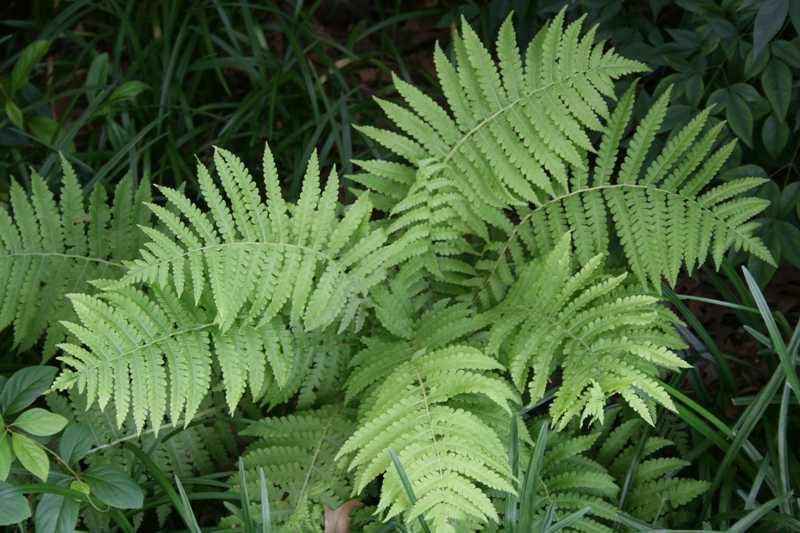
[[112, 486], [24, 387], [769, 20]]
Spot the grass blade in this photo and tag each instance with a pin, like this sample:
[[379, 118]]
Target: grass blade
[[188, 514], [266, 520], [775, 336], [401, 472]]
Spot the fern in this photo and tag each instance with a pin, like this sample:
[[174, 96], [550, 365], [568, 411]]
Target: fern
[[448, 453], [153, 355], [259, 258], [50, 248], [296, 454], [665, 217], [567, 480], [519, 139], [433, 322], [576, 470], [607, 340], [656, 492]]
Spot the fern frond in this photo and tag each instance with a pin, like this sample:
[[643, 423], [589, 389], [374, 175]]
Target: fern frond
[[656, 490], [516, 139], [49, 248], [297, 453], [569, 480], [259, 259], [448, 453], [509, 138], [152, 354], [666, 216], [442, 324], [606, 340]]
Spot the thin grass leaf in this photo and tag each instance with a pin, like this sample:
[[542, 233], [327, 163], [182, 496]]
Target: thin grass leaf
[[188, 513], [266, 519], [407, 486]]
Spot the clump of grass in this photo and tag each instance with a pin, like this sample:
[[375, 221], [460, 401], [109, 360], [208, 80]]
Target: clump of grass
[[138, 87]]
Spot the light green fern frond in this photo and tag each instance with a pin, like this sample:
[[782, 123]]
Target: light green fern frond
[[258, 259], [449, 454], [512, 136], [605, 340], [665, 211], [49, 248], [145, 352], [297, 453], [437, 326], [517, 137], [153, 354]]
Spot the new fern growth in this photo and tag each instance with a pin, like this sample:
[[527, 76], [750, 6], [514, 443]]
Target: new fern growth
[[481, 286]]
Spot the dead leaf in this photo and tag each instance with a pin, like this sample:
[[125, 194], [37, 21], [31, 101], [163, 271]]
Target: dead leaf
[[338, 520]]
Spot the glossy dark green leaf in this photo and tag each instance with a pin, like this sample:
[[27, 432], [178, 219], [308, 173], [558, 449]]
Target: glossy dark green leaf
[[789, 200], [776, 80], [40, 422], [28, 58], [31, 455], [740, 118], [755, 64], [6, 456], [794, 14], [14, 506], [746, 91], [774, 135], [789, 235], [772, 193], [769, 20], [112, 486], [788, 52], [76, 440], [722, 27], [694, 87], [744, 171], [719, 99], [24, 386], [56, 514]]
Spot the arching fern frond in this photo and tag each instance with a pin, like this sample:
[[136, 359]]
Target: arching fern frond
[[153, 355], [516, 137], [557, 474], [605, 339], [49, 248], [665, 214], [448, 453], [258, 259], [510, 136]]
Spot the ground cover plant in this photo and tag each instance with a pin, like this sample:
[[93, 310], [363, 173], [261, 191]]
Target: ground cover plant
[[475, 325]]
